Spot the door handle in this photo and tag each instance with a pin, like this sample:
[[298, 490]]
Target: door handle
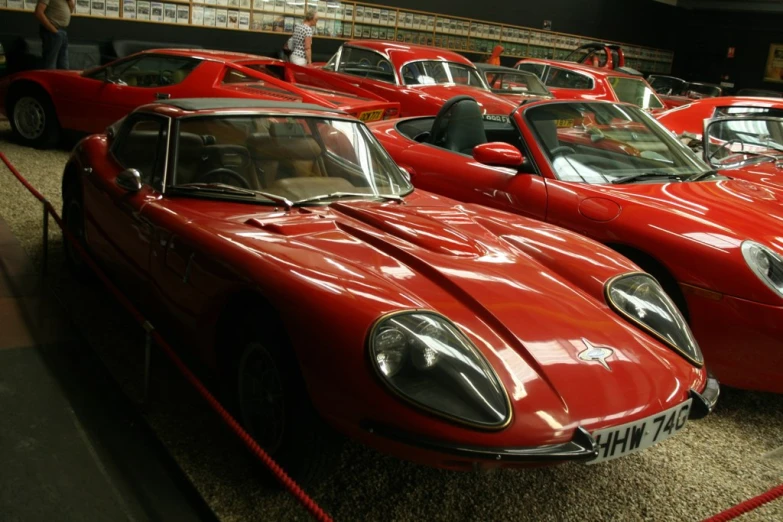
[[162, 96]]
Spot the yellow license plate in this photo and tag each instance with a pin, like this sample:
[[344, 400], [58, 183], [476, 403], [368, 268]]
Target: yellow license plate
[[371, 115], [564, 124]]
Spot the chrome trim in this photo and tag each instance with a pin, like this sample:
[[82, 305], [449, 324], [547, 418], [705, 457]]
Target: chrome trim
[[703, 403], [424, 407], [643, 326], [581, 447], [166, 156]]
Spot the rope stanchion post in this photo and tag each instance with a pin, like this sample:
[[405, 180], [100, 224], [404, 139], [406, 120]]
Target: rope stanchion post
[[148, 329], [45, 242], [151, 334]]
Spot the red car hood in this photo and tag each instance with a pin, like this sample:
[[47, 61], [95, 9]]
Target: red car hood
[[527, 294], [719, 215], [489, 102]]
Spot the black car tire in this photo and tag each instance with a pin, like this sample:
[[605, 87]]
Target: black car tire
[[270, 400], [33, 118]]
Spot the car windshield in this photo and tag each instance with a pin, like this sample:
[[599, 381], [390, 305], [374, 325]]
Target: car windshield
[[511, 82], [698, 91], [609, 143], [667, 85], [436, 72], [734, 141], [636, 91], [281, 159]]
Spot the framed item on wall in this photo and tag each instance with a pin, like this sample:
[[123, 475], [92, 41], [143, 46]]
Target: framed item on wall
[[774, 70]]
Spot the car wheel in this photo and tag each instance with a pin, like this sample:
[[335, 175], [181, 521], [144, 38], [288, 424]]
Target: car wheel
[[73, 221], [34, 120], [272, 404]]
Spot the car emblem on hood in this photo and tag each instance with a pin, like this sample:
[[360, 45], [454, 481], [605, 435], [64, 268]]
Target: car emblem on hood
[[596, 353]]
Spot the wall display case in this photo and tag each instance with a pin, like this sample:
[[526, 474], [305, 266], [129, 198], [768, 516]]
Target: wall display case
[[346, 20]]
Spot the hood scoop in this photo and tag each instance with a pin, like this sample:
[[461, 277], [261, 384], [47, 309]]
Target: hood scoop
[[294, 226], [425, 228]]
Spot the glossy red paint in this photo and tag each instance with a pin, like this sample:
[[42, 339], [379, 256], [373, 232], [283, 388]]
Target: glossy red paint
[[498, 154], [526, 293], [597, 79], [87, 104], [693, 231], [416, 100]]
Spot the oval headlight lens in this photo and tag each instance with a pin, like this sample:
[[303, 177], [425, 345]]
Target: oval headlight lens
[[426, 360], [765, 263], [640, 298]]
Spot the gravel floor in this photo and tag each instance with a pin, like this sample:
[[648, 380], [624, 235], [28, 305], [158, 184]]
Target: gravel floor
[[731, 456]]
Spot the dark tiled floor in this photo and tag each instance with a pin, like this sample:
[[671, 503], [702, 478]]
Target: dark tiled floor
[[72, 447]]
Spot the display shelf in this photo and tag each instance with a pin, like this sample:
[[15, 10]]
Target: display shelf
[[346, 20]]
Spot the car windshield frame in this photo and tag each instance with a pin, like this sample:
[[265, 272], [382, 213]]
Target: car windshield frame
[[446, 64], [690, 165], [675, 86], [638, 81], [760, 149], [398, 184]]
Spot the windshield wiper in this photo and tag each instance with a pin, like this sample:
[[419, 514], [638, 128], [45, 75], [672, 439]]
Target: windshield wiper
[[643, 175], [702, 175], [222, 188], [335, 195]]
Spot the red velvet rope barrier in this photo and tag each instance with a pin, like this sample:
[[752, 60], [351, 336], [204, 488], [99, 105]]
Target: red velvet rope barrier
[[314, 509], [748, 505]]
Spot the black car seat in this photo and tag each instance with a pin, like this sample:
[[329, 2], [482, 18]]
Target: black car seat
[[459, 125]]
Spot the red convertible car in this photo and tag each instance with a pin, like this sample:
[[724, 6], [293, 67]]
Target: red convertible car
[[419, 78], [40, 104], [283, 245], [568, 80], [745, 135], [611, 172]]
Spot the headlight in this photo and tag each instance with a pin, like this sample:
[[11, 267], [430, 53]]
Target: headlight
[[765, 263], [641, 299], [426, 360]]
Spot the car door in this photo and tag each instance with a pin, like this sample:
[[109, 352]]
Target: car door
[[117, 228], [127, 84], [461, 177]]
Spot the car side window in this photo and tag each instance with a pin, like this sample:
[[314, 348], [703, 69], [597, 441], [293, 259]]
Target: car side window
[[150, 71], [535, 68], [366, 63], [141, 145], [565, 79]]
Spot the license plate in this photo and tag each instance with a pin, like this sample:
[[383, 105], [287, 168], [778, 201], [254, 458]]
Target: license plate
[[371, 115], [619, 441]]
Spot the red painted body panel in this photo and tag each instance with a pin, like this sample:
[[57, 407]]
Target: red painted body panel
[[693, 229], [525, 292], [87, 105], [422, 100]]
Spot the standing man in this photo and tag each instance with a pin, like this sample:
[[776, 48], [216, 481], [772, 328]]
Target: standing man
[[54, 16], [301, 42]]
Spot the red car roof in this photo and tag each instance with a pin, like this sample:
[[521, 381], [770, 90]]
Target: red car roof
[[587, 69], [400, 53], [223, 56]]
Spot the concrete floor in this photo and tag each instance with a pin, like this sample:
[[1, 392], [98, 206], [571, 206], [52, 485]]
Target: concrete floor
[[715, 463]]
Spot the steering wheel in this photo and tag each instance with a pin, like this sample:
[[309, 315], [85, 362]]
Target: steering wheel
[[166, 77], [213, 176], [422, 137], [725, 144], [562, 149]]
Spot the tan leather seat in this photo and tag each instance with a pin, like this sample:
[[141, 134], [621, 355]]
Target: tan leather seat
[[286, 152]]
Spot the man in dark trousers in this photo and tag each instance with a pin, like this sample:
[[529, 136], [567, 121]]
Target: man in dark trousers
[[54, 16]]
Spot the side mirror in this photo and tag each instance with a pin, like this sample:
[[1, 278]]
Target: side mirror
[[407, 172], [498, 154], [130, 180]]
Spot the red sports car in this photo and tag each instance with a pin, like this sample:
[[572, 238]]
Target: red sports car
[[745, 135], [419, 78], [676, 92], [282, 244], [40, 104], [611, 172], [568, 80]]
